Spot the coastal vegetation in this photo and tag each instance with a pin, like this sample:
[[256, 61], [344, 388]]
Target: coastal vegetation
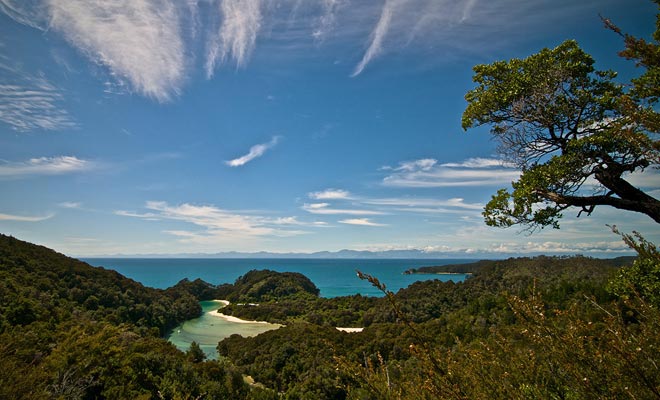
[[544, 327], [72, 331], [470, 268], [541, 327]]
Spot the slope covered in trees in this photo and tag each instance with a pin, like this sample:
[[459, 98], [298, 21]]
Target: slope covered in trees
[[539, 327], [469, 268], [520, 328], [72, 331]]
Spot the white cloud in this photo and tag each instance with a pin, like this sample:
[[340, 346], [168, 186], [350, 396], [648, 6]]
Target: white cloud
[[70, 204], [147, 216], [44, 166], [149, 46], [467, 10], [326, 23], [20, 218], [217, 225], [554, 247], [241, 22], [255, 152], [295, 221], [27, 12], [360, 222], [499, 249], [427, 205], [649, 179], [426, 173], [479, 162], [377, 36], [139, 41], [31, 102], [330, 194], [324, 209]]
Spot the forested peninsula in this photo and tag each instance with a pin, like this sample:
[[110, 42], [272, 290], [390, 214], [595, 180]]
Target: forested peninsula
[[542, 327], [470, 268]]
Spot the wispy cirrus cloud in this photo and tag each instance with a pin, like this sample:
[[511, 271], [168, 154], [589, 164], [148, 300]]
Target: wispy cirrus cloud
[[27, 12], [24, 218], [330, 194], [325, 209], [508, 249], [151, 46], [454, 27], [427, 206], [30, 102], [44, 166], [256, 151], [455, 205], [295, 221], [327, 21], [138, 41], [236, 36], [218, 225], [70, 204], [377, 36], [427, 173], [360, 222]]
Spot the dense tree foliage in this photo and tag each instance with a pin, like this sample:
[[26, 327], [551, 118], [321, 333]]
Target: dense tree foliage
[[37, 284], [284, 297], [518, 328], [567, 125], [264, 285], [469, 268], [543, 327], [72, 331]]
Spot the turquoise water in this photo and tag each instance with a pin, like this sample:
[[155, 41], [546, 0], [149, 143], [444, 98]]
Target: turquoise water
[[209, 329], [333, 277]]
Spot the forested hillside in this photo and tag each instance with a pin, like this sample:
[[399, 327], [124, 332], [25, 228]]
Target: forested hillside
[[543, 327], [72, 331], [470, 268]]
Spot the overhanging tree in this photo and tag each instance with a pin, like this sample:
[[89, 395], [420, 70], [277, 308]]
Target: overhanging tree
[[574, 132]]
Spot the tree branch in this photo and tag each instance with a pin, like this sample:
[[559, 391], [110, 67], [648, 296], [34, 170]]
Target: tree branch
[[588, 203]]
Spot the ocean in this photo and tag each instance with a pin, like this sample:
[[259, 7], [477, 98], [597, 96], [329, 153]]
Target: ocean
[[334, 277]]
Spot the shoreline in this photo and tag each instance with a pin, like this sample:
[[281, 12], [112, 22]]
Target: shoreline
[[439, 273], [349, 330], [230, 318]]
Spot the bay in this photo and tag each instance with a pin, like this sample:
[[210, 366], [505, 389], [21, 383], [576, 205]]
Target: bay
[[334, 277], [210, 328]]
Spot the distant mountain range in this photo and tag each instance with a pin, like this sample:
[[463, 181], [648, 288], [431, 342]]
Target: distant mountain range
[[342, 254]]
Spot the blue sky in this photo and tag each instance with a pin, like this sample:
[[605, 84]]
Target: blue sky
[[162, 126]]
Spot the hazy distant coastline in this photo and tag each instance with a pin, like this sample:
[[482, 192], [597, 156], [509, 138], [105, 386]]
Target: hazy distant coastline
[[352, 254]]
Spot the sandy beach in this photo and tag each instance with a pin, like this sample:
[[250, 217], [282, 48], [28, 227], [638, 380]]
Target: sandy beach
[[350, 330], [217, 313]]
